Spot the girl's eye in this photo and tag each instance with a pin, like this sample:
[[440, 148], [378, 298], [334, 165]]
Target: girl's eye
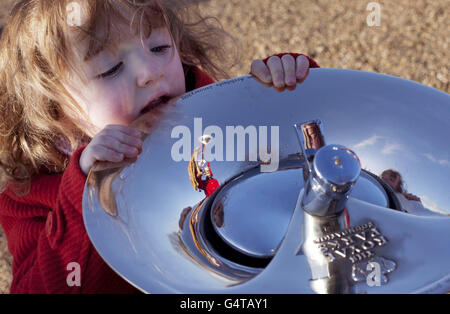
[[160, 48], [111, 71]]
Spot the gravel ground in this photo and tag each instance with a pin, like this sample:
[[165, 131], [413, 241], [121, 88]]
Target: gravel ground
[[411, 42], [5, 264]]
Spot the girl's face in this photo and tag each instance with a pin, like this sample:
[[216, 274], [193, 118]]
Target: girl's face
[[394, 181], [121, 85]]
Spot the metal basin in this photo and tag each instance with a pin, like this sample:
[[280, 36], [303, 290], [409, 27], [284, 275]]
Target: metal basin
[[247, 237]]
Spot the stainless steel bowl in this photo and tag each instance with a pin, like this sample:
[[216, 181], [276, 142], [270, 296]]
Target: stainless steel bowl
[[253, 235]]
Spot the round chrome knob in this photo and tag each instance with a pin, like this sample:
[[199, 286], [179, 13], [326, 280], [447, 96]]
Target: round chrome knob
[[337, 165], [333, 173]]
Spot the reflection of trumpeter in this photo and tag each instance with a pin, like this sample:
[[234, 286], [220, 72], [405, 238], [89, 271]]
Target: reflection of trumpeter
[[199, 170]]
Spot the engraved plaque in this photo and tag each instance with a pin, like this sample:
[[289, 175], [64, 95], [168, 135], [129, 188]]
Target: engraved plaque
[[355, 244]]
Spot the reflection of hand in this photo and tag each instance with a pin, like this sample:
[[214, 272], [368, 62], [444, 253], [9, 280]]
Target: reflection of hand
[[283, 73], [411, 197], [183, 216]]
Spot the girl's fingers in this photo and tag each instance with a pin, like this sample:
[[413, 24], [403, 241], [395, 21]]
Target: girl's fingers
[[291, 88], [283, 73], [114, 138], [302, 68], [276, 70], [123, 148], [124, 138], [113, 144], [288, 63], [260, 70], [103, 153]]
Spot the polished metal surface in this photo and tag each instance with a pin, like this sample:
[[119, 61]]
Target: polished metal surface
[[159, 233], [251, 213], [333, 173], [328, 275], [256, 209], [338, 166], [360, 271]]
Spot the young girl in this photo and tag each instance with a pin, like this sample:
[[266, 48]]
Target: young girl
[[74, 75]]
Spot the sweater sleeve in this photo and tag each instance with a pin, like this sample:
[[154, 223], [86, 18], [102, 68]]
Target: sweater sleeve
[[64, 260], [312, 62]]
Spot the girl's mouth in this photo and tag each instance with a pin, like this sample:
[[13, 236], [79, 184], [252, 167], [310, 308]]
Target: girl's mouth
[[156, 103]]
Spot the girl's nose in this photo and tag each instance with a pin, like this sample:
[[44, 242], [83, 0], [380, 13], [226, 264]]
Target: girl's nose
[[148, 70]]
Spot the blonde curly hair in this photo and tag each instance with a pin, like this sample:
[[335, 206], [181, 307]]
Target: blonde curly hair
[[36, 57]]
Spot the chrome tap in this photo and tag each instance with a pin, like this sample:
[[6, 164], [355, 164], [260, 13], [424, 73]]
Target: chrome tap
[[330, 172]]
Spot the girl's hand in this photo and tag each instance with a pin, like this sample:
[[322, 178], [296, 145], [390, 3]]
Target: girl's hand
[[113, 143], [411, 197], [283, 73]]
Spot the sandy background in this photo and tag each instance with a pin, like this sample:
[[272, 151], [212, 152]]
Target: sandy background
[[412, 42]]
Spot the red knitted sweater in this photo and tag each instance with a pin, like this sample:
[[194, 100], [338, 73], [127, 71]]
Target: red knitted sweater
[[46, 234]]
